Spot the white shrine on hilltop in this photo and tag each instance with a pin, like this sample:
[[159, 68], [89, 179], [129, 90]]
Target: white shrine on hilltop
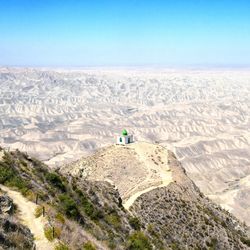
[[124, 138]]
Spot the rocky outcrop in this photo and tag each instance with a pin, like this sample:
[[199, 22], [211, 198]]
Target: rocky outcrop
[[6, 205]]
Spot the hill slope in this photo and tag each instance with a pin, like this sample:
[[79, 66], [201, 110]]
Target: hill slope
[[27, 215], [86, 209], [180, 213], [165, 200], [13, 235], [134, 169]]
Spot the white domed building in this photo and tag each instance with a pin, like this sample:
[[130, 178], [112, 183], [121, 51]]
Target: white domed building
[[124, 138]]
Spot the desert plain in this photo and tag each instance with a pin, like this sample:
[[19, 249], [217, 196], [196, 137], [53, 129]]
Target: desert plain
[[61, 115]]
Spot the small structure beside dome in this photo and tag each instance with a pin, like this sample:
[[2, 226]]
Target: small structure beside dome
[[124, 138]]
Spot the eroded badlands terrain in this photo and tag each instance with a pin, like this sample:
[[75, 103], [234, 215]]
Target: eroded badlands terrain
[[203, 116]]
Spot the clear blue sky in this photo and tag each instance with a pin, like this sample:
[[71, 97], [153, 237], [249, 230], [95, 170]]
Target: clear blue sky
[[124, 32]]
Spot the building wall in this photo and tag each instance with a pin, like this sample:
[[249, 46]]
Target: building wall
[[129, 139], [124, 139]]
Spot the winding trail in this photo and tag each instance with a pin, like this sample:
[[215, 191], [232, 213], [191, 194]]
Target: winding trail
[[129, 202], [26, 214], [158, 164]]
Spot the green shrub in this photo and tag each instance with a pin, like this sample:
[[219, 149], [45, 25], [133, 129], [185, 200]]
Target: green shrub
[[88, 207], [135, 223], [245, 241], [48, 232], [55, 180], [30, 195], [7, 170], [8, 160], [61, 246], [174, 246], [68, 206], [24, 163], [114, 220], [38, 169], [60, 218], [111, 239], [9, 175], [151, 230], [88, 246], [6, 173], [138, 241], [38, 211], [19, 183]]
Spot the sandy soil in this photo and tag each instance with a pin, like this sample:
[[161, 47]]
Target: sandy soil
[[26, 213], [1, 155], [144, 152]]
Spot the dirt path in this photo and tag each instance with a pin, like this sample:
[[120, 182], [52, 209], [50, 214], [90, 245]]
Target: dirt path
[[1, 155], [155, 160], [132, 198], [36, 225]]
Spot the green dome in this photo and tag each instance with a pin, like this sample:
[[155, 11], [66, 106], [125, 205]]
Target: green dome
[[124, 132]]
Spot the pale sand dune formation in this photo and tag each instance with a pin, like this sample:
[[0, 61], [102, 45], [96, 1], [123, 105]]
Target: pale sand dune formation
[[203, 116]]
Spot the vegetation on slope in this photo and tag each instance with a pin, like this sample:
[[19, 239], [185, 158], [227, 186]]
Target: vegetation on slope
[[87, 209], [183, 218], [89, 215]]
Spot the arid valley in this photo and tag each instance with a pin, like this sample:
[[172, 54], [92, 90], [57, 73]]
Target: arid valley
[[203, 116]]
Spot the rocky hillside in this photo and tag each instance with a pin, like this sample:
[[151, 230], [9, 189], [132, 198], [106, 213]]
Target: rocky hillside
[[84, 208], [93, 211], [182, 217], [170, 207], [13, 235], [134, 169]]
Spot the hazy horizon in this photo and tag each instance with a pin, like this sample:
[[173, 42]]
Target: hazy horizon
[[133, 67]]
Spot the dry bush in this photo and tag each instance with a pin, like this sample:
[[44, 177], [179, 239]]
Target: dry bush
[[60, 218], [38, 212], [48, 232], [88, 246], [61, 246], [19, 240]]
